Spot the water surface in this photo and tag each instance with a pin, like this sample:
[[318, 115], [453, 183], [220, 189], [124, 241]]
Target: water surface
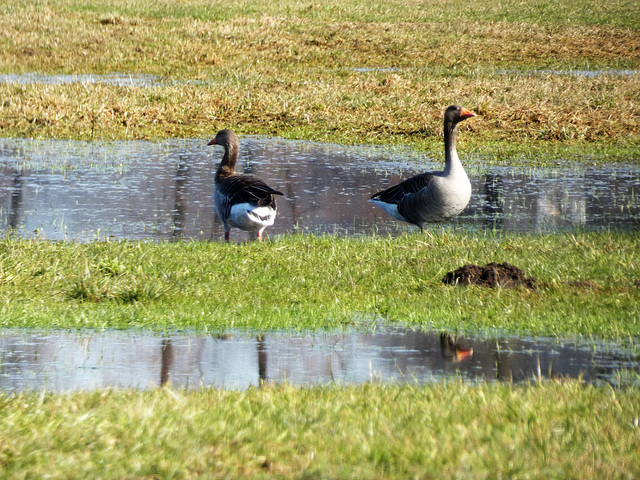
[[141, 80], [69, 190], [118, 79], [68, 361]]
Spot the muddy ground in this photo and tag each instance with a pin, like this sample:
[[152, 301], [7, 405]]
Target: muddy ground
[[491, 275]]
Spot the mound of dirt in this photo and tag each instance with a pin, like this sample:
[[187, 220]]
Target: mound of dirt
[[490, 275]]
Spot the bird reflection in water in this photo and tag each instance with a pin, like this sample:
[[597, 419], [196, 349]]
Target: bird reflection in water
[[453, 349]]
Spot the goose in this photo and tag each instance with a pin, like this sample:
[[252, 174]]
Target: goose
[[432, 196], [241, 201]]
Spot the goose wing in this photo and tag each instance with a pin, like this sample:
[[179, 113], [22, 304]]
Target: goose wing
[[396, 193], [247, 189]]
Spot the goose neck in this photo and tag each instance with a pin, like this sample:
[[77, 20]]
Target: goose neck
[[227, 166], [452, 162]]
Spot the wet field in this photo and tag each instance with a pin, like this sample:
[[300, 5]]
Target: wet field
[[68, 361], [163, 191], [68, 190]]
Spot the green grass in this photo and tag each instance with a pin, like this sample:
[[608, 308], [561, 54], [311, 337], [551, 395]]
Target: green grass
[[311, 282], [551, 430]]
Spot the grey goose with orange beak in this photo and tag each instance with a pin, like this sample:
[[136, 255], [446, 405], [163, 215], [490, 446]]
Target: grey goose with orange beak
[[432, 196]]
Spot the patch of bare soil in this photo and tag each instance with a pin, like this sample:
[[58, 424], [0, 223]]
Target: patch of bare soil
[[491, 275]]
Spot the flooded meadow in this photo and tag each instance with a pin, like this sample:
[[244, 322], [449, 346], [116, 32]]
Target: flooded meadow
[[140, 190], [163, 191], [69, 361]]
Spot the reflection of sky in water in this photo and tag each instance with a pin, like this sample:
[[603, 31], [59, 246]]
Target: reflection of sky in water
[[147, 80], [63, 361], [155, 190], [574, 73], [118, 79]]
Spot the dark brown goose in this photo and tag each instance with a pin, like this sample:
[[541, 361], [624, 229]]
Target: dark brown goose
[[242, 201], [432, 196]]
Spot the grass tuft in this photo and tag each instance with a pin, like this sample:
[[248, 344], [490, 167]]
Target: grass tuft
[[311, 282]]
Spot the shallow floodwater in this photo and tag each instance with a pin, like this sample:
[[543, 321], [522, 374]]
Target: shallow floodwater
[[118, 79], [138, 80], [68, 361], [69, 190]]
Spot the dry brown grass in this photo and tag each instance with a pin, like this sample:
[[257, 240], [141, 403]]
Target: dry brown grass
[[293, 75], [357, 108], [42, 39]]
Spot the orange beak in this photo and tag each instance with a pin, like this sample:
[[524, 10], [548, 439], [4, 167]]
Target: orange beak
[[212, 142], [466, 113]]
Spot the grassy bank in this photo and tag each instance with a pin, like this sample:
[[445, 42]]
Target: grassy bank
[[336, 71], [589, 283], [549, 430]]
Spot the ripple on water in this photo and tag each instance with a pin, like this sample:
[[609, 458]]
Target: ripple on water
[[68, 361], [70, 190]]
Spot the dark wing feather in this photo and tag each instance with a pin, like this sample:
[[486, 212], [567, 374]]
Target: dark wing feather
[[247, 189], [411, 185]]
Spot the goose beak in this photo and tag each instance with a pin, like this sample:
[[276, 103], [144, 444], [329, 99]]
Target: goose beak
[[466, 113], [212, 142]]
